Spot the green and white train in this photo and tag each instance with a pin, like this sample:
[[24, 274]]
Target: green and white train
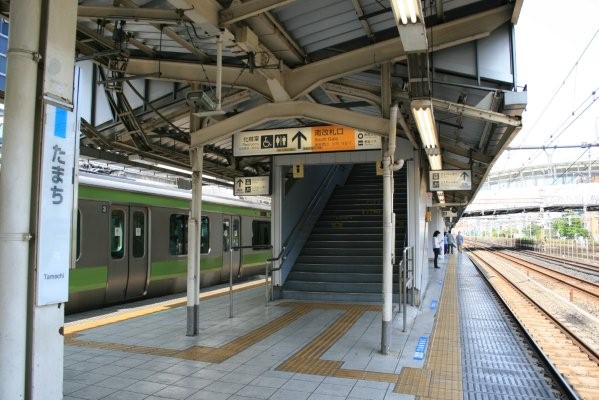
[[131, 242]]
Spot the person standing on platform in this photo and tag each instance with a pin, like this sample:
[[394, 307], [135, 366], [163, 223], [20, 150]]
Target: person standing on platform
[[450, 242], [437, 241], [460, 241], [445, 246]]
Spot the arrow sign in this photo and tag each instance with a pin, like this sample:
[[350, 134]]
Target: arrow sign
[[299, 136], [464, 176], [239, 183]]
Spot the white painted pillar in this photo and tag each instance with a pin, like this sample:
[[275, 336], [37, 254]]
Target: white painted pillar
[[276, 204], [15, 192], [194, 239], [388, 234]]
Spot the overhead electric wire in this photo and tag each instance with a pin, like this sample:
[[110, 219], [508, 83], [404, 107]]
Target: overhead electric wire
[[593, 93], [570, 166], [553, 139], [553, 97]]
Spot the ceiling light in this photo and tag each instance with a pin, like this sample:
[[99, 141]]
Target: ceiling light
[[410, 24], [435, 162], [407, 11], [155, 163]]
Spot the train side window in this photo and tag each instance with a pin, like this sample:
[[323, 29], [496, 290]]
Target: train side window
[[235, 237], [139, 234], [226, 235], [205, 236], [178, 234], [117, 238], [260, 233]]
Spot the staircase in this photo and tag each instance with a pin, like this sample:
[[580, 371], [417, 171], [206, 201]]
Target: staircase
[[342, 259]]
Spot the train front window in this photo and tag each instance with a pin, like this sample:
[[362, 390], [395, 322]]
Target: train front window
[[205, 236], [260, 233], [139, 234], [178, 235], [117, 238]]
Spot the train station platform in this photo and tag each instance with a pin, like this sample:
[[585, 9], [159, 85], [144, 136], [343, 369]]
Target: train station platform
[[457, 344]]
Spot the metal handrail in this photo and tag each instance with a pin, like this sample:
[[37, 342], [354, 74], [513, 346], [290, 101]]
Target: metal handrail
[[325, 183], [272, 269], [231, 249], [403, 282]]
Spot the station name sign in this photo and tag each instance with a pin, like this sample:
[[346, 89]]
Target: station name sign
[[451, 179], [252, 186], [303, 140]]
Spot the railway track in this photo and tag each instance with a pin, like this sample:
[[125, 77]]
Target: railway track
[[564, 333], [586, 267], [570, 282]]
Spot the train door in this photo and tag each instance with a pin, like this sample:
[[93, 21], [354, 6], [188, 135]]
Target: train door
[[138, 253], [128, 252], [118, 264], [231, 237]]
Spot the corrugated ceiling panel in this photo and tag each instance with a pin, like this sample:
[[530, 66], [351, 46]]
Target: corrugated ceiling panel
[[316, 24]]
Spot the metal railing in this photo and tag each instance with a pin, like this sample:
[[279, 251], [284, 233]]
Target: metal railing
[[234, 248], [269, 293], [406, 281]]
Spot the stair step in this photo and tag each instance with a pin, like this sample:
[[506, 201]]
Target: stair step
[[338, 287], [348, 277], [344, 244], [330, 296], [338, 268], [342, 258], [357, 250], [316, 259]]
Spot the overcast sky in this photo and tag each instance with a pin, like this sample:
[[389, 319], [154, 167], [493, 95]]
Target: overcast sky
[[551, 35]]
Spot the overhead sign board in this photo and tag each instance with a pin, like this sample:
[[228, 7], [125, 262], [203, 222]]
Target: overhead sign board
[[454, 179], [303, 140], [252, 186]]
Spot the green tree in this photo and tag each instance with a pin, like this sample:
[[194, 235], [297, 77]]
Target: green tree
[[570, 226], [532, 231]]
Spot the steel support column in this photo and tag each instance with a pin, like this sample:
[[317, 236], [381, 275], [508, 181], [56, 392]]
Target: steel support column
[[388, 234], [194, 237], [15, 199]]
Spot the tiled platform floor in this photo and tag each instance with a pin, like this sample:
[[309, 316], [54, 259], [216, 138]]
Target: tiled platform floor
[[288, 350]]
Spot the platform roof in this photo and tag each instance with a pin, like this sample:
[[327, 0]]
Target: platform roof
[[290, 63]]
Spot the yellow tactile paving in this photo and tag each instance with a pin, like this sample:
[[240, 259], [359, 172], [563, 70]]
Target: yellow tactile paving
[[201, 353], [441, 377]]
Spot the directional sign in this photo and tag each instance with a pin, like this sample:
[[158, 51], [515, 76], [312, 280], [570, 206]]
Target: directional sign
[[304, 140], [454, 179], [252, 186]]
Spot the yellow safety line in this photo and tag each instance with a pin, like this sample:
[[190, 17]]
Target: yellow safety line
[[78, 327], [441, 377]]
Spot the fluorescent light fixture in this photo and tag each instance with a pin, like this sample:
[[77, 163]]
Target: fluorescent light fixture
[[422, 109], [410, 24], [155, 163], [407, 11], [436, 163]]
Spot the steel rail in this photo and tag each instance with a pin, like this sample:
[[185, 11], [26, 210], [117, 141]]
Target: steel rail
[[592, 290], [561, 376], [593, 355]]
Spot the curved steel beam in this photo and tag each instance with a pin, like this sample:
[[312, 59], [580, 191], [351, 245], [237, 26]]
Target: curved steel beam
[[287, 110]]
